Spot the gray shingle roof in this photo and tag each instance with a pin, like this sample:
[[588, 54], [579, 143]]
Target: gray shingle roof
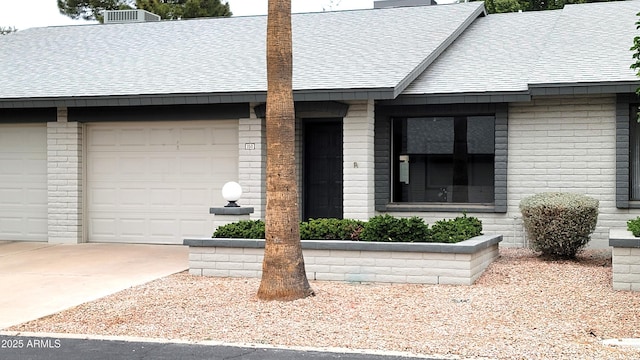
[[589, 44], [377, 50], [581, 45], [496, 54]]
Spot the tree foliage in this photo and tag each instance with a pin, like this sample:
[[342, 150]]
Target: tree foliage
[[636, 55], [636, 51], [503, 6], [167, 9], [91, 9], [7, 30], [185, 9]]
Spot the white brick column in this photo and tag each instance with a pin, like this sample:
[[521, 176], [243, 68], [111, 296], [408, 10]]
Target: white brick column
[[64, 180], [358, 161], [251, 164]]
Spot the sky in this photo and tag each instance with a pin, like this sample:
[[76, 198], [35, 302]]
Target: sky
[[24, 14]]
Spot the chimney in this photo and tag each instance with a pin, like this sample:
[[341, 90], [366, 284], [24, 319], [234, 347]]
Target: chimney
[[382, 4], [128, 16]]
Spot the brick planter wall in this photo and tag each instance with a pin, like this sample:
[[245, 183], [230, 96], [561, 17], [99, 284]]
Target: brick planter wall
[[353, 261], [625, 259]]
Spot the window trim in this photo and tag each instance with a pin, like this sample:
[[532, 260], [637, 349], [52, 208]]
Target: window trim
[[383, 170], [623, 132]]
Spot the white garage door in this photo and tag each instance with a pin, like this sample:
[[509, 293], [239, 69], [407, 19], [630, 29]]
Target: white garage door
[[23, 182], [155, 182]]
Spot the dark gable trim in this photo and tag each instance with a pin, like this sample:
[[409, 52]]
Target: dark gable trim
[[159, 113], [315, 109], [623, 116], [583, 88], [435, 54], [462, 98], [29, 115], [204, 98], [382, 148], [135, 100]]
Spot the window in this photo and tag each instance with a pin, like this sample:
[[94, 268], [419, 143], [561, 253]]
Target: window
[[448, 159]]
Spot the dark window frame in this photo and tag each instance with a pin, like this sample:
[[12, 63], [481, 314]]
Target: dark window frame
[[624, 116], [383, 152]]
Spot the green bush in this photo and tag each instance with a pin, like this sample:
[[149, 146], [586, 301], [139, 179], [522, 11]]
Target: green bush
[[389, 228], [455, 230], [378, 228], [634, 226], [331, 229], [243, 229], [559, 224]]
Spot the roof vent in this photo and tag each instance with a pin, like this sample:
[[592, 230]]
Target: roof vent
[[128, 16], [381, 4]]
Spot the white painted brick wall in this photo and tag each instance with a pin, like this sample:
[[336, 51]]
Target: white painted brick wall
[[563, 144], [351, 266], [557, 144], [64, 180], [358, 159], [626, 268], [251, 164]]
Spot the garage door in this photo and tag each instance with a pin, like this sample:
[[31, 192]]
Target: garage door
[[23, 182], [154, 182]]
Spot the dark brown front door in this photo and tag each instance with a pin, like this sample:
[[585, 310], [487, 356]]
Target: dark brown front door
[[322, 169]]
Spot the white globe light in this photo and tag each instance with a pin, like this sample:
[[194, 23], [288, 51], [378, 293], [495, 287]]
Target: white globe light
[[231, 192]]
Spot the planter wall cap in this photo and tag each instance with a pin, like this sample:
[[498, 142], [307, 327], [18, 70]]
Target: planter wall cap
[[465, 247], [231, 210], [623, 238]]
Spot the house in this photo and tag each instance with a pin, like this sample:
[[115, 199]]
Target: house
[[127, 132]]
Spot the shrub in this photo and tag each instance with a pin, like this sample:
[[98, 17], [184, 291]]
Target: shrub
[[243, 229], [634, 226], [559, 224], [389, 228], [331, 229], [379, 228], [455, 230]]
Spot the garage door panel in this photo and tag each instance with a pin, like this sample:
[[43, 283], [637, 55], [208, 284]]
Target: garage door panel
[[163, 227], [23, 182], [161, 179], [162, 137], [163, 197], [133, 166], [130, 195], [133, 227], [133, 137]]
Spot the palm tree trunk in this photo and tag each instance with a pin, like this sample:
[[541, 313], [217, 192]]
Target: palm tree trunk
[[283, 272]]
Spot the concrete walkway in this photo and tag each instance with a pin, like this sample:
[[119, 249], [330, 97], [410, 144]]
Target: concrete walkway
[[38, 279]]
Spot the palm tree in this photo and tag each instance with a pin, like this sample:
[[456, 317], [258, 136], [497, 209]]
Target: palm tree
[[283, 272]]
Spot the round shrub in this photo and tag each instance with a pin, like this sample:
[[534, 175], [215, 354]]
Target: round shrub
[[559, 224], [388, 228], [331, 229]]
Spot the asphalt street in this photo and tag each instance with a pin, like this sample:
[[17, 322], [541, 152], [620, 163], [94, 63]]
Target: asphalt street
[[51, 348]]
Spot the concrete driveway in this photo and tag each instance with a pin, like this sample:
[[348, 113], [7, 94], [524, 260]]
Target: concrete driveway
[[38, 279]]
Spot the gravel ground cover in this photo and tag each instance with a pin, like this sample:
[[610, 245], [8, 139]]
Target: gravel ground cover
[[521, 308]]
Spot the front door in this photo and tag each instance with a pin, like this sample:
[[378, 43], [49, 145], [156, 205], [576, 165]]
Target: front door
[[322, 169]]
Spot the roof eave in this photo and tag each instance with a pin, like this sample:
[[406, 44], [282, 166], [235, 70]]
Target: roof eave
[[459, 98], [584, 88], [196, 98]]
